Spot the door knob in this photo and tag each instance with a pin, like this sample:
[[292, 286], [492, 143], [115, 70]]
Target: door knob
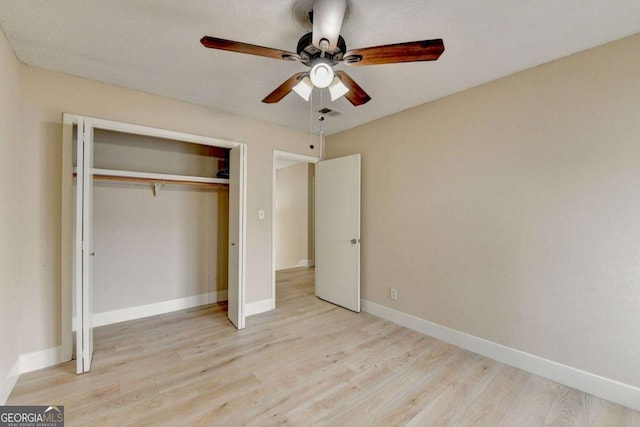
[[354, 241], [92, 254]]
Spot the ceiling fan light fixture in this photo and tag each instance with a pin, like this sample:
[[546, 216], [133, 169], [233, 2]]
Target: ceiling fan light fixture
[[337, 88], [304, 88], [321, 74]]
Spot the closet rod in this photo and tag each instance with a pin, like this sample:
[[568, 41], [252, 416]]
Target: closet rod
[[153, 181]]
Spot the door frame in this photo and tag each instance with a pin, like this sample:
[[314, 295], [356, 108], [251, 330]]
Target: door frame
[[68, 210], [277, 154]]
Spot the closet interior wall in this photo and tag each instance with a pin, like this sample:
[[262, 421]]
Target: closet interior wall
[[152, 248]]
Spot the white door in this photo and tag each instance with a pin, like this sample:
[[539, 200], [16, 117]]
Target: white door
[[337, 222], [235, 286], [83, 277]]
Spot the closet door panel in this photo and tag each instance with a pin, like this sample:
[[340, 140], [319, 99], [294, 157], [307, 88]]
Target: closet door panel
[[87, 252], [77, 246], [83, 276], [236, 237]]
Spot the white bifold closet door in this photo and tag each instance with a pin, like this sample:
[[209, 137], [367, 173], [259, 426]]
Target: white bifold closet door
[[83, 277], [235, 302], [337, 222]]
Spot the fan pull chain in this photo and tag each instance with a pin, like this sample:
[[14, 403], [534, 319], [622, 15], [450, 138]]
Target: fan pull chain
[[311, 119], [321, 131], [321, 118]]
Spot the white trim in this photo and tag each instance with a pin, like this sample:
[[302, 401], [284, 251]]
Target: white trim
[[304, 263], [290, 156], [153, 132], [40, 359], [614, 391], [67, 238], [243, 240], [293, 156], [147, 310], [6, 387], [257, 307]]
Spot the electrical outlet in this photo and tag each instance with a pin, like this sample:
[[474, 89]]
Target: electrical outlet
[[393, 294]]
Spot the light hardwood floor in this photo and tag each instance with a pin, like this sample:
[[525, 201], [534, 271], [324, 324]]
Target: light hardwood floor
[[307, 363]]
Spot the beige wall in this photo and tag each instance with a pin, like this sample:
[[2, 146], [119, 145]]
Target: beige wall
[[293, 216], [46, 95], [511, 211], [154, 249], [11, 210]]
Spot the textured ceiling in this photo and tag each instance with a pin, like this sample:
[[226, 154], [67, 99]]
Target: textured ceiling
[[153, 46]]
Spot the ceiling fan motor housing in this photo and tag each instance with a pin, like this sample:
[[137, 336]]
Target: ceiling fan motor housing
[[308, 52]]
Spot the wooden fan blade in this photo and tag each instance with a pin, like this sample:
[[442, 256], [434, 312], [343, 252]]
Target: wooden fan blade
[[424, 50], [284, 89], [327, 21], [230, 45], [356, 95]]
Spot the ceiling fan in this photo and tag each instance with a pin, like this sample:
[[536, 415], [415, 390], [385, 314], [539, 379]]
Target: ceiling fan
[[324, 48]]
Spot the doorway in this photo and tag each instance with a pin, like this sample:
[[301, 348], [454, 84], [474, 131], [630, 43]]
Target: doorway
[[77, 218], [293, 222]]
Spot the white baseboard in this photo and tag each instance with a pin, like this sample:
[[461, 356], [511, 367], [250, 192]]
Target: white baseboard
[[40, 359], [141, 311], [26, 363], [305, 263], [9, 382], [614, 391], [257, 307]]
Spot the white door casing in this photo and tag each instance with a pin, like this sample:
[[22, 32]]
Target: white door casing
[[337, 222]]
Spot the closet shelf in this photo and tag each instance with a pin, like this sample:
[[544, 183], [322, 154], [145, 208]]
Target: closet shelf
[[152, 178]]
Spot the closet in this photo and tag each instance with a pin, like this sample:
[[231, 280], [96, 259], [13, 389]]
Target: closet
[[152, 220]]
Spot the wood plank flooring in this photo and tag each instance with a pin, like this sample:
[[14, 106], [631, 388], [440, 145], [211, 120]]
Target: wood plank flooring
[[308, 363]]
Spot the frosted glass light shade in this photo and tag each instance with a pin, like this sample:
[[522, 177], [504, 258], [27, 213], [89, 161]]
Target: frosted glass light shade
[[304, 88], [337, 88], [321, 74]]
